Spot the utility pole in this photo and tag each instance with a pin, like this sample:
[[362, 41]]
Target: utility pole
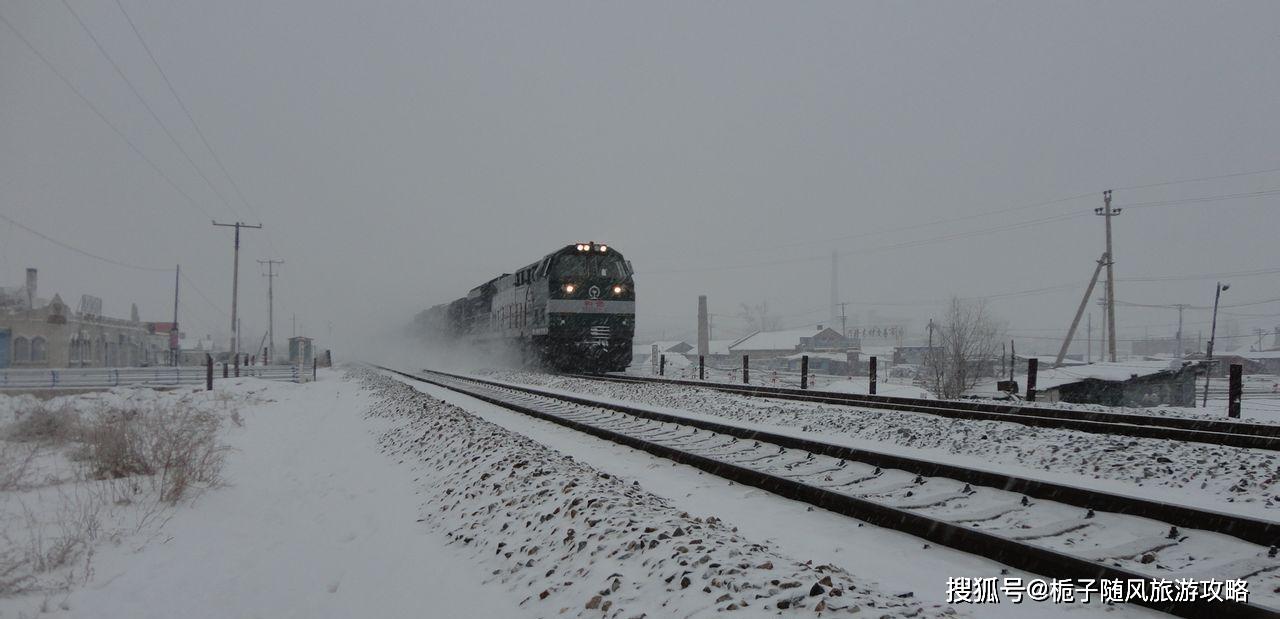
[[1107, 213], [835, 283], [1084, 301], [174, 351], [235, 284], [704, 330], [1088, 339], [1102, 335], [271, 315], [294, 325], [1180, 307], [844, 319], [1213, 328]]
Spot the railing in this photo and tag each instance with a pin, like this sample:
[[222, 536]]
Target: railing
[[89, 378]]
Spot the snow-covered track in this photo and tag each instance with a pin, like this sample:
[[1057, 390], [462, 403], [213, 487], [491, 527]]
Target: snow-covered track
[[996, 520], [1225, 433]]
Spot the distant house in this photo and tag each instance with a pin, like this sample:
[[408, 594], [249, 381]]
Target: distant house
[[40, 333], [1125, 383], [678, 347], [648, 354], [766, 345], [836, 363], [1265, 362]]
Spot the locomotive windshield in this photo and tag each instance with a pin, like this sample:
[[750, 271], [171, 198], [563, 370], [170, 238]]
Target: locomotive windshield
[[581, 267]]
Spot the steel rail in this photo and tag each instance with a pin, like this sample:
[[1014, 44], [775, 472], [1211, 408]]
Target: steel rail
[[1015, 554], [1225, 433]]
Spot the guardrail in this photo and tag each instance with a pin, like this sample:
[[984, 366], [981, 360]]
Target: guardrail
[[91, 378]]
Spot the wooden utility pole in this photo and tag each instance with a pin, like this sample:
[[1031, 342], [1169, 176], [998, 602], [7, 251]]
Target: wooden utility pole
[[271, 316], [235, 283], [704, 330], [1107, 213], [1182, 351], [1088, 339], [174, 348], [1075, 322], [1213, 331]]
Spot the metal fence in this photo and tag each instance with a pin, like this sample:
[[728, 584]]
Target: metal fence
[[89, 378]]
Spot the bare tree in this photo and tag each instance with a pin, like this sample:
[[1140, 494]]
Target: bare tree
[[965, 342], [758, 317]]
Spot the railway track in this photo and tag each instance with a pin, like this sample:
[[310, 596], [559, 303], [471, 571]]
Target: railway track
[[1213, 432], [1055, 530]]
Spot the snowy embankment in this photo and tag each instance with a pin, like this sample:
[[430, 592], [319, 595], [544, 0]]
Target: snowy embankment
[[311, 520], [83, 473], [1224, 478], [573, 541]]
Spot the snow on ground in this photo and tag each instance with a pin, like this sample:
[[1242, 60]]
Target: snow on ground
[[575, 541], [863, 386], [313, 522], [1230, 479], [900, 563]]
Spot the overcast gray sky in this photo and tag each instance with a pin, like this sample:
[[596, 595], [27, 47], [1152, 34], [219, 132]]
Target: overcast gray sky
[[399, 153]]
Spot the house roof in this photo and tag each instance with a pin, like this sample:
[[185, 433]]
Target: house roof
[[720, 347], [668, 345], [775, 340], [1049, 360], [833, 356], [1261, 354], [877, 351], [1114, 372]]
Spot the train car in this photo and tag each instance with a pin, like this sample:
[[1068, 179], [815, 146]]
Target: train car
[[572, 310]]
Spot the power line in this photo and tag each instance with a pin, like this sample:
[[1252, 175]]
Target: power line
[[77, 250], [187, 111], [1204, 199], [204, 296], [102, 117], [1198, 179], [890, 247], [120, 72]]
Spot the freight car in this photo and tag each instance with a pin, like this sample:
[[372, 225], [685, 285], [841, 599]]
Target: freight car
[[572, 310]]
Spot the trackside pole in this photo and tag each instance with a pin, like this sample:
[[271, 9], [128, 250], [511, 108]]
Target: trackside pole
[[804, 371], [1234, 391], [662, 365], [224, 369], [1033, 364], [746, 369], [702, 367], [237, 361], [208, 372], [871, 370]]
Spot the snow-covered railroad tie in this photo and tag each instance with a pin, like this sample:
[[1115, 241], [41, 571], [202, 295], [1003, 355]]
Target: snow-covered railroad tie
[[1050, 529]]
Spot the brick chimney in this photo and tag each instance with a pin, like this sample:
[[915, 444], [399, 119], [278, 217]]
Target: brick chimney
[[31, 288]]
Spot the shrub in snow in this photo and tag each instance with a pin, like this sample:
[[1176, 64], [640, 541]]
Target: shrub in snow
[[176, 445], [44, 423]]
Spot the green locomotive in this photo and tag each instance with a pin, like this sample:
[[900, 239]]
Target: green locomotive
[[573, 310]]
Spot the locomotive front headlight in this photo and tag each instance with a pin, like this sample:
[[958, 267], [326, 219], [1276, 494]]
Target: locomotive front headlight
[[617, 290], [570, 288], [604, 248]]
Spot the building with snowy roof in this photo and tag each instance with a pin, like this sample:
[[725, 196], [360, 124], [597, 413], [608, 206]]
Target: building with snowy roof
[[775, 344], [1124, 383], [35, 333]]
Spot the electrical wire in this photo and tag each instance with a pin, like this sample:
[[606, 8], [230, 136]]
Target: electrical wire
[[77, 250], [195, 125], [103, 117], [156, 117]]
